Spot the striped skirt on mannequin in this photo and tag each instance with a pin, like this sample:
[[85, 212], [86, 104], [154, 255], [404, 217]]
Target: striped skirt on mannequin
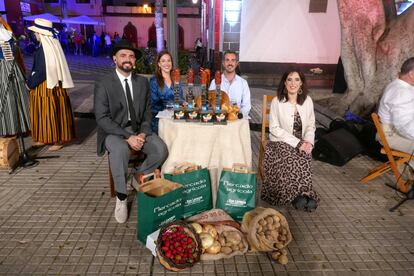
[[51, 115]]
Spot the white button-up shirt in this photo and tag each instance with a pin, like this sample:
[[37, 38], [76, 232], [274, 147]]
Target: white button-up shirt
[[397, 107], [122, 79], [238, 91]]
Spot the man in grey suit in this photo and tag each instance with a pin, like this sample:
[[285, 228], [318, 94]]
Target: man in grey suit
[[122, 107]]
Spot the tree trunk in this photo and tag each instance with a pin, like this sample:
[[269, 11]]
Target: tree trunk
[[372, 50], [159, 25]]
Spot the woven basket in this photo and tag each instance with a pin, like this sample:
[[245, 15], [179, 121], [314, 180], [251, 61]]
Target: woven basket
[[168, 263]]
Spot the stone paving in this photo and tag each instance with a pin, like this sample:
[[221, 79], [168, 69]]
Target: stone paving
[[57, 218]]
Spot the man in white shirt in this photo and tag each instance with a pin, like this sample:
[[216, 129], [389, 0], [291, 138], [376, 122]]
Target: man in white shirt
[[396, 109], [235, 86]]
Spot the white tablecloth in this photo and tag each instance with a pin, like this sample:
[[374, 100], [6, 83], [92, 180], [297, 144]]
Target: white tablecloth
[[212, 146], [206, 145]]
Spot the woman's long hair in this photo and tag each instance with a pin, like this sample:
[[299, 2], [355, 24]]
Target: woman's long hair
[[158, 74], [282, 91]]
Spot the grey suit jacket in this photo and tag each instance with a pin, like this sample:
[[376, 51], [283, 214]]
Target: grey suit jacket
[[111, 109]]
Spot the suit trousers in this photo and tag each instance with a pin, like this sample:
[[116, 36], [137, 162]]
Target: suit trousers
[[119, 153]]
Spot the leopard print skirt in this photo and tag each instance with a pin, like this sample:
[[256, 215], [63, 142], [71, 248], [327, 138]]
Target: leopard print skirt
[[286, 174]]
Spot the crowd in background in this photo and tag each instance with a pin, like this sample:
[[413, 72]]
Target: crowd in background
[[74, 42]]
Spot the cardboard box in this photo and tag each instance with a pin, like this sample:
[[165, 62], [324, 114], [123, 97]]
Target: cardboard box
[[152, 242]]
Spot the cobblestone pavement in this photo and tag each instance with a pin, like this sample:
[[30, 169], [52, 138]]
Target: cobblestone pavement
[[57, 218]]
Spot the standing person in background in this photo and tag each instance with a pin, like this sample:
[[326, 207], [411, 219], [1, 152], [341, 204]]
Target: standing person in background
[[287, 174], [108, 44], [13, 118], [117, 38], [198, 48], [64, 40], [162, 87], [235, 86], [102, 43], [78, 43], [96, 44], [50, 109]]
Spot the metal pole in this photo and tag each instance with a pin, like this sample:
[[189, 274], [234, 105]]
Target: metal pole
[[172, 30], [64, 8]]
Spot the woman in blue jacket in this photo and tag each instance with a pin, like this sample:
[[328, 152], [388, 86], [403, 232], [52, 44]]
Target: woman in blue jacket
[[162, 86]]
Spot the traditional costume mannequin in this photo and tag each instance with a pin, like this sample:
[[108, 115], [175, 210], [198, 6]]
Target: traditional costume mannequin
[[14, 97], [50, 109]]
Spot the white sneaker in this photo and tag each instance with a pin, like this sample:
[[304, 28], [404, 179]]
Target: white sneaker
[[121, 210]]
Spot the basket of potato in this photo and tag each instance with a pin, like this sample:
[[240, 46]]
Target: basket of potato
[[220, 241], [267, 230]]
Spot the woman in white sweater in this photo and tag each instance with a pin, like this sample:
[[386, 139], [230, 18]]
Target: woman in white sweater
[[287, 160]]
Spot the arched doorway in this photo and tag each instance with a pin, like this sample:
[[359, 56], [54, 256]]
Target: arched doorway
[[152, 36], [180, 37], [130, 33]]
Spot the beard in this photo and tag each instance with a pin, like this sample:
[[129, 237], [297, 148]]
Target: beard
[[126, 68], [230, 68]]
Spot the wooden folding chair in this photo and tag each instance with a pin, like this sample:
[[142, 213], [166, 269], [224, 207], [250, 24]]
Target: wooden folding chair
[[267, 99], [395, 158], [134, 160]]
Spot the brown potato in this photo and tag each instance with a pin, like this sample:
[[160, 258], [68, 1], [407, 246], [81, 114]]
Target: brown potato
[[222, 240], [226, 250], [279, 245], [214, 249], [275, 255], [283, 260], [269, 220], [233, 237]]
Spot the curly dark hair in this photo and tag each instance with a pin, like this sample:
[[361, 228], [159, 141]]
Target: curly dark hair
[[281, 90], [158, 74]]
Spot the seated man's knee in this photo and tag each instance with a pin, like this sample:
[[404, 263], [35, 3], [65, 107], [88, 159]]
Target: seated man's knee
[[158, 148], [117, 146]]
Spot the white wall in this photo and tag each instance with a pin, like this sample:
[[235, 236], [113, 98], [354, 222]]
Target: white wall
[[284, 31]]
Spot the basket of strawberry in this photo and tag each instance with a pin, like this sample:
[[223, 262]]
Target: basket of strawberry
[[178, 246]]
